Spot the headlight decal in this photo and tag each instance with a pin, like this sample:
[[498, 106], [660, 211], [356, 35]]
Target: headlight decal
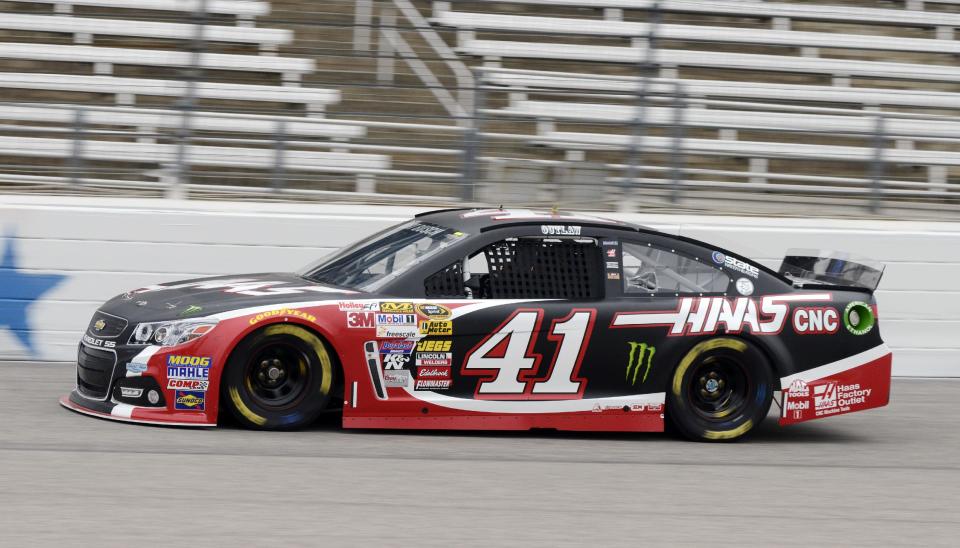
[[171, 333]]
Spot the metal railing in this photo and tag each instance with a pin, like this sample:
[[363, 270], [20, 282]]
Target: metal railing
[[628, 142]]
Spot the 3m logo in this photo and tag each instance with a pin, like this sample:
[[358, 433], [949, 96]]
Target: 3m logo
[[434, 346], [635, 362], [360, 320]]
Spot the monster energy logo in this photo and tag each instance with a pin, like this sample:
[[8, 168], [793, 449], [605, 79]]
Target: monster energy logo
[[637, 352]]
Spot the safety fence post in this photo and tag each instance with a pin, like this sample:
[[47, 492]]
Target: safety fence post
[[187, 103], [646, 65], [878, 165], [279, 155], [471, 144], [76, 156], [677, 156]]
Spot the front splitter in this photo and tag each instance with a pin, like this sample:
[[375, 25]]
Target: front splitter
[[133, 414]]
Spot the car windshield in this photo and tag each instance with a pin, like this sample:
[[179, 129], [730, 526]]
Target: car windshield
[[370, 263]]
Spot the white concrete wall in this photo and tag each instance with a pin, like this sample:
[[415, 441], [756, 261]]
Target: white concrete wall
[[103, 247]]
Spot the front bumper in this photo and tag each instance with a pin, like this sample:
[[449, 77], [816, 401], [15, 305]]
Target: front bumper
[[123, 412], [104, 374]]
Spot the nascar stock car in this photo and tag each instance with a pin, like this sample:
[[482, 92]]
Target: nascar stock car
[[498, 319]]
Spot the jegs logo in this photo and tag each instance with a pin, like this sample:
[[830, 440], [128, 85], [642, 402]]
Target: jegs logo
[[705, 315]]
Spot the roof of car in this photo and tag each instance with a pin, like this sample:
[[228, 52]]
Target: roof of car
[[474, 220]]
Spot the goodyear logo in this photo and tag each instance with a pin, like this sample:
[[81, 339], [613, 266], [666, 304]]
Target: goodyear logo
[[396, 308], [434, 311], [189, 401], [436, 327], [290, 312], [434, 346]]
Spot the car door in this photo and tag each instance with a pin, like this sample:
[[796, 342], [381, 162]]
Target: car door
[[534, 302]]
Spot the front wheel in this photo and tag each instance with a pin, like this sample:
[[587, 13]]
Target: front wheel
[[720, 390], [278, 378]]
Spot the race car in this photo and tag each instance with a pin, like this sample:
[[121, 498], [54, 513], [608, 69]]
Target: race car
[[498, 319]]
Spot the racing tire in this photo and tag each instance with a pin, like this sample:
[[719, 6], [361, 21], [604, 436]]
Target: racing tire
[[720, 391], [279, 378]]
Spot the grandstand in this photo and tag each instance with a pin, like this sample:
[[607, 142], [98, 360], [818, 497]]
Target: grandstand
[[743, 105]]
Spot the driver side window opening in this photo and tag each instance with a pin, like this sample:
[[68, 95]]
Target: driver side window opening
[[653, 270], [525, 268]]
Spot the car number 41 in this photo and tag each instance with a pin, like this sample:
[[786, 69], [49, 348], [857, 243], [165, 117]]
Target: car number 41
[[509, 365]]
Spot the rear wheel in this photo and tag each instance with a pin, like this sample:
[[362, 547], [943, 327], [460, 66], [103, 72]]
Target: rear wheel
[[278, 378], [720, 390]]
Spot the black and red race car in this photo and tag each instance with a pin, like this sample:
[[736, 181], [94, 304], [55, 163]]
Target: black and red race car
[[498, 319]]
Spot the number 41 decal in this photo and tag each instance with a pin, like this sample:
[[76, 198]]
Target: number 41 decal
[[507, 361]]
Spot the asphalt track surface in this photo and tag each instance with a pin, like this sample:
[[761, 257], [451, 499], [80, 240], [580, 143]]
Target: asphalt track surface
[[877, 478]]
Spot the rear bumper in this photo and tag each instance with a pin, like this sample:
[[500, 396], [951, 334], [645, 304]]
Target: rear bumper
[[853, 384], [122, 412]]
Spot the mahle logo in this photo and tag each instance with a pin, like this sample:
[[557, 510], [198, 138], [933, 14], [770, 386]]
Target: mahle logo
[[639, 351]]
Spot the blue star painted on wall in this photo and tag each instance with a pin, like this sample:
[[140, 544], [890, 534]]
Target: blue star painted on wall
[[18, 290]]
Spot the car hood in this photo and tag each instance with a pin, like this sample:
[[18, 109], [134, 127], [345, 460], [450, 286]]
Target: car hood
[[205, 296]]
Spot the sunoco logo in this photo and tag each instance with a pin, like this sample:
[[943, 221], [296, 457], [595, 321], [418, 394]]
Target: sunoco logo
[[639, 351]]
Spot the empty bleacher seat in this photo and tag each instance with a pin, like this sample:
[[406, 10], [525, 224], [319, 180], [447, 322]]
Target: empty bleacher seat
[[202, 121], [83, 28], [127, 89], [597, 84], [765, 120], [161, 154], [498, 49], [750, 149], [241, 8], [769, 10], [690, 33], [103, 59]]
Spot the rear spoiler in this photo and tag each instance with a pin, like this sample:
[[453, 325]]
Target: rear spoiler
[[817, 267]]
